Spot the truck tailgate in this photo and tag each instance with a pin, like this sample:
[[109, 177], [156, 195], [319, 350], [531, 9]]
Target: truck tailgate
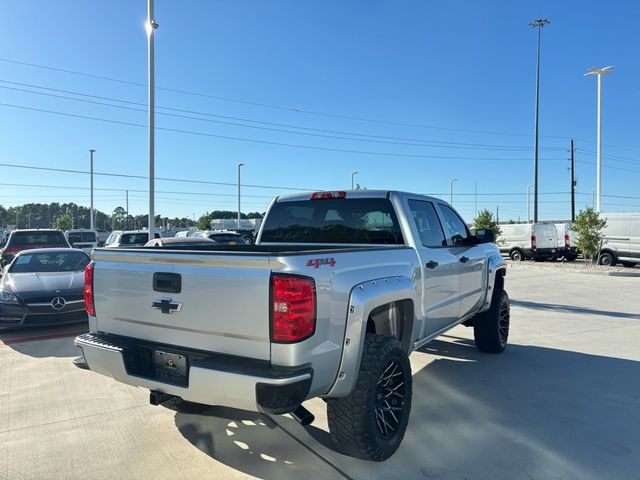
[[222, 305]]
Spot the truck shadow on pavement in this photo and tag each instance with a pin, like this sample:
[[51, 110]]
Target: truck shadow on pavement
[[572, 309], [43, 342], [531, 412]]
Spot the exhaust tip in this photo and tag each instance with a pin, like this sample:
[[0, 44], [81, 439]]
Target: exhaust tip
[[303, 416]]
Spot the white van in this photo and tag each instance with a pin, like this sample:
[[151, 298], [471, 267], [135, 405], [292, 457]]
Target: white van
[[621, 239], [83, 238], [538, 241], [566, 241]]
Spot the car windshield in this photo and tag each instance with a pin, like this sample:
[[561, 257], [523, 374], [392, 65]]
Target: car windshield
[[26, 239], [134, 238], [80, 237], [42, 262], [228, 239]]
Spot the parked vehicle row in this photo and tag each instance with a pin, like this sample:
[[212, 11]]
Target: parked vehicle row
[[549, 241]]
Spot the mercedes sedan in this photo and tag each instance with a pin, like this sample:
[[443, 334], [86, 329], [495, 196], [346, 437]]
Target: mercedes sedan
[[43, 287]]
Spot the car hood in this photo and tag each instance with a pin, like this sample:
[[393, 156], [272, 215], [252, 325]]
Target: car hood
[[30, 284]]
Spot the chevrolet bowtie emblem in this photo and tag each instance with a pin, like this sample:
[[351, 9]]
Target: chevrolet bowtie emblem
[[166, 305]]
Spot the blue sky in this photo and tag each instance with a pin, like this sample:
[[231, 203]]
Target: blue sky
[[446, 88]]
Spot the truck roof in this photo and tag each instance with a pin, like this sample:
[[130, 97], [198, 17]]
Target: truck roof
[[352, 194]]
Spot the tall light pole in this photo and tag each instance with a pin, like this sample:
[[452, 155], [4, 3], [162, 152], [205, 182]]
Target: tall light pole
[[529, 203], [538, 23], [150, 27], [91, 152], [599, 72], [353, 175], [239, 165], [451, 190]]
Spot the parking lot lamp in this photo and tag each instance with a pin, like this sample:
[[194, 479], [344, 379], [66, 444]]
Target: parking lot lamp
[[150, 27], [599, 72], [353, 175], [538, 23], [451, 190], [239, 165]]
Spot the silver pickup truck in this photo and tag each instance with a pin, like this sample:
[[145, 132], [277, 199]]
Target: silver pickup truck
[[338, 290]]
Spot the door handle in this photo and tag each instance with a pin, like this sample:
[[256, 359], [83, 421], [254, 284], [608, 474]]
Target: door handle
[[464, 259], [431, 264]]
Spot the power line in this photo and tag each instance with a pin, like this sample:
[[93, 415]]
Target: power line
[[264, 142], [180, 180], [396, 140], [272, 106], [134, 190]]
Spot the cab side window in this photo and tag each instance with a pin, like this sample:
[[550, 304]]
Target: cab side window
[[454, 227], [426, 220]]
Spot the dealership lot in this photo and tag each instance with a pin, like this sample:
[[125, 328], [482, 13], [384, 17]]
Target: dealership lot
[[562, 402]]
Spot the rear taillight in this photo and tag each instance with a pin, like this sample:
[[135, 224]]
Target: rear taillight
[[328, 195], [88, 290], [567, 240], [533, 242], [11, 250], [293, 308]]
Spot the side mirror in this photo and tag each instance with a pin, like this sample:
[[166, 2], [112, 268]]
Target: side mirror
[[485, 235]]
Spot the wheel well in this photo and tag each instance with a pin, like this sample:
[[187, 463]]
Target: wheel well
[[394, 319], [499, 283]]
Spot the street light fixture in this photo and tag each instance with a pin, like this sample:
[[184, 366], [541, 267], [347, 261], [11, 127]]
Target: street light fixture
[[599, 72], [353, 174], [538, 23], [239, 165], [451, 190]]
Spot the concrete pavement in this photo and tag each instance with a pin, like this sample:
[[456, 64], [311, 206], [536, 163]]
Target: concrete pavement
[[563, 401]]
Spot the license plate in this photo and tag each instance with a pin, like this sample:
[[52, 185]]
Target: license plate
[[170, 367]]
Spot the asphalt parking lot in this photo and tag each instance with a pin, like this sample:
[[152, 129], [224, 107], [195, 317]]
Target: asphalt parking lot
[[562, 402]]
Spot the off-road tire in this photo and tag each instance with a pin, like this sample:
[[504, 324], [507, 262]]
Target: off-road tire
[[491, 328], [354, 420]]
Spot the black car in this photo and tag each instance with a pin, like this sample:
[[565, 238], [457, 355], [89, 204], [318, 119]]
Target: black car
[[29, 239], [43, 287]]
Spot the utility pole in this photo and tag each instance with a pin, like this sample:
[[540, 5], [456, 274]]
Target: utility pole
[[451, 190], [573, 186], [239, 165], [475, 191], [91, 152], [538, 23], [353, 176], [150, 27], [126, 218], [497, 214]]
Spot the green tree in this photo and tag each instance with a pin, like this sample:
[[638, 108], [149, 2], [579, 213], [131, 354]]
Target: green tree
[[204, 222], [63, 222], [485, 220], [588, 227]]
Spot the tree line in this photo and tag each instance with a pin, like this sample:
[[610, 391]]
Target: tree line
[[66, 216]]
